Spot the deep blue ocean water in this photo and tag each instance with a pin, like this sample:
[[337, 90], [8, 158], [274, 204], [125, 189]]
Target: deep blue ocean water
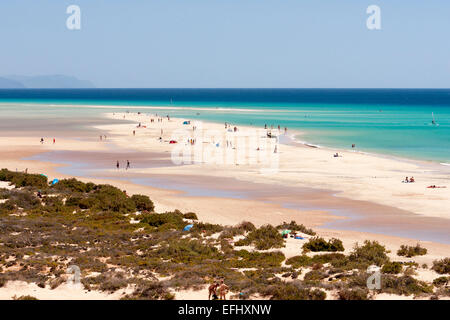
[[389, 121]]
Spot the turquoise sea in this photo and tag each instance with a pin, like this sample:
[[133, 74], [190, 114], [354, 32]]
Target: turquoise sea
[[393, 122]]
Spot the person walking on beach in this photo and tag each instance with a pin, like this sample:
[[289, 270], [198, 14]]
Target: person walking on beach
[[42, 140], [134, 132], [54, 140], [117, 165], [128, 165]]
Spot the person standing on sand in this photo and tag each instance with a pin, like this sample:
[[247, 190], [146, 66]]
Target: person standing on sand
[[117, 165], [42, 140], [128, 165], [223, 290], [134, 132], [212, 291], [54, 140]]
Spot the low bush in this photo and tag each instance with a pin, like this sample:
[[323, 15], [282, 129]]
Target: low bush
[[441, 266], [392, 267], [404, 285], [319, 244], [353, 294], [165, 221], [368, 254], [293, 291], [248, 259], [296, 227], [315, 275], [190, 215], [143, 203], [263, 238], [20, 179], [73, 185], [441, 281], [27, 297], [151, 291], [411, 251]]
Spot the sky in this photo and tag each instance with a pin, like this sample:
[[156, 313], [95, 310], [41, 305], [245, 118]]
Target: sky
[[230, 43]]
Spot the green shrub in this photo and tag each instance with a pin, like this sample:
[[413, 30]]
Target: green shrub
[[188, 251], [299, 261], [405, 285], [20, 179], [248, 259], [190, 215], [109, 198], [441, 281], [27, 297], [206, 228], [263, 238], [370, 253], [143, 203], [151, 291], [165, 221], [392, 267], [291, 291], [441, 266], [295, 227], [353, 294], [319, 244], [315, 275], [410, 251], [73, 185]]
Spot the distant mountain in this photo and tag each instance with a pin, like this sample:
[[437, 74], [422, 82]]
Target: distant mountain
[[45, 82], [10, 84]]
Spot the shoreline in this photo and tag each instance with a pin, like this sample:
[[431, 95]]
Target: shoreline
[[118, 129], [292, 137]]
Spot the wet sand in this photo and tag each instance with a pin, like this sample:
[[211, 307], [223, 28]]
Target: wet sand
[[355, 215]]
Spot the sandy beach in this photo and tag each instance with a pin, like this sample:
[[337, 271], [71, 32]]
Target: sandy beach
[[337, 196]]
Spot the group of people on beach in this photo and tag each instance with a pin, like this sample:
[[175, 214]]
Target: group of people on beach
[[220, 288], [409, 180], [128, 165], [42, 141], [279, 128]]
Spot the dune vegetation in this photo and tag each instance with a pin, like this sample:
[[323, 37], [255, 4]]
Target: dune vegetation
[[118, 241]]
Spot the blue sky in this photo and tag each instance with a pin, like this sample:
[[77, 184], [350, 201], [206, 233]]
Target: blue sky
[[230, 43]]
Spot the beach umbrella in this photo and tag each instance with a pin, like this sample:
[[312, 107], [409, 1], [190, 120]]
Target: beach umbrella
[[44, 175], [188, 227], [55, 181], [285, 232]]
